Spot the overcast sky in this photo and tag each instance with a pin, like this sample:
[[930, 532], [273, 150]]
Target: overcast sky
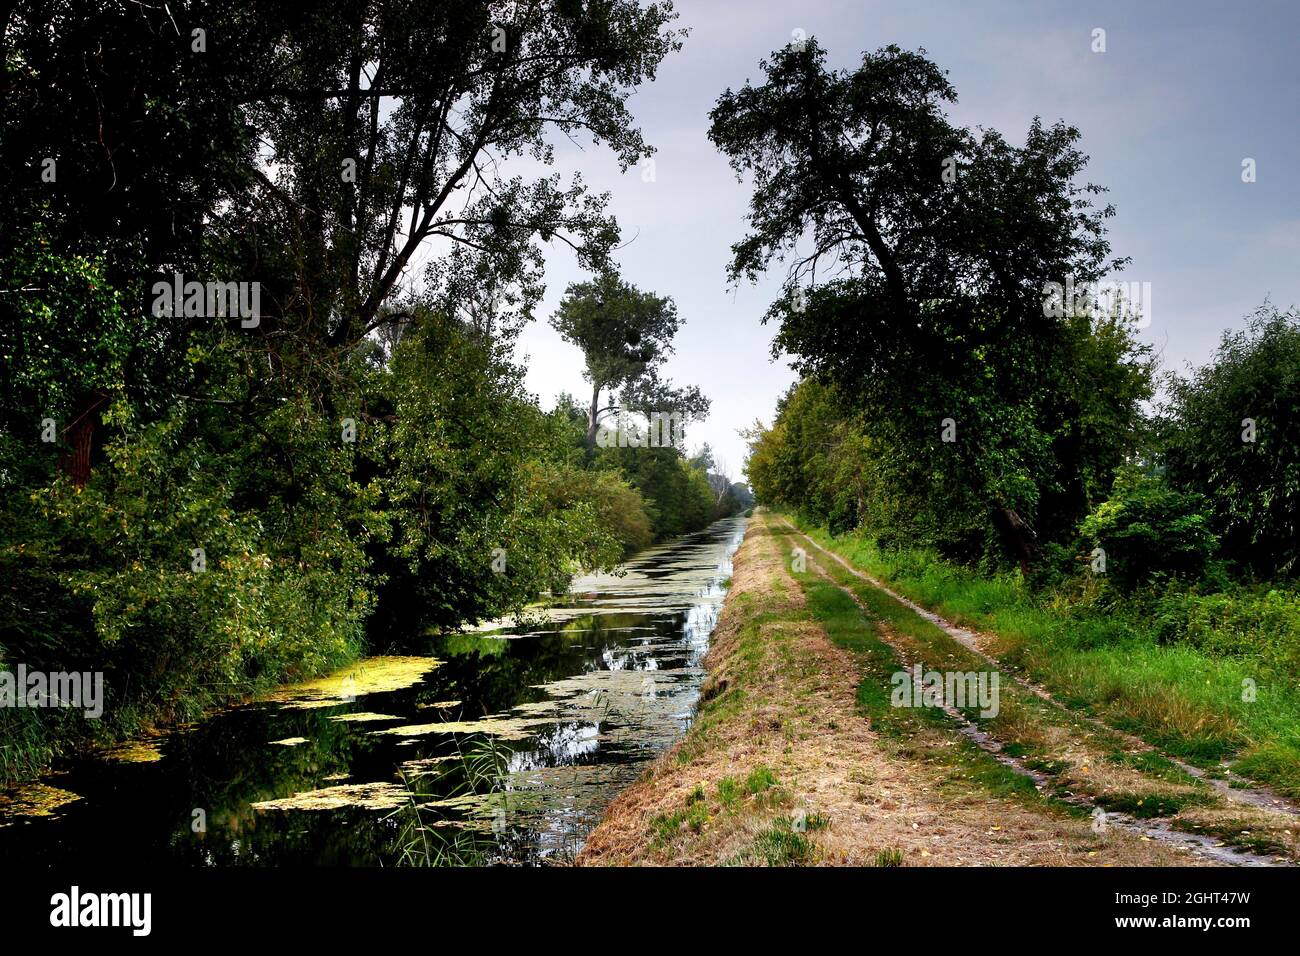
[[1184, 92]]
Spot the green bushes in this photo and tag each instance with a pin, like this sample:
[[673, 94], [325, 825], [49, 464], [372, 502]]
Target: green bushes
[[1250, 624], [1232, 434], [481, 507], [619, 508], [276, 528], [678, 497], [175, 587], [1149, 532]]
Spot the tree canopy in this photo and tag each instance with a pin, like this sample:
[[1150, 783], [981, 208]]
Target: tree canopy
[[918, 253], [625, 336]]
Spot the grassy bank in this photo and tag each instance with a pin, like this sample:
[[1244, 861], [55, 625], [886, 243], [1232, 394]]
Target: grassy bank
[[1201, 706]]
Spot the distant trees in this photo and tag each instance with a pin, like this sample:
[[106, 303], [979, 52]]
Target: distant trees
[[626, 337]]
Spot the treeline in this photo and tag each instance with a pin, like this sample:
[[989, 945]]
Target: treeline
[[971, 389], [1205, 495], [201, 502]]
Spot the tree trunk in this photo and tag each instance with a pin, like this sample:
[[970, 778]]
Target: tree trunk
[[592, 415], [80, 436], [1019, 537]]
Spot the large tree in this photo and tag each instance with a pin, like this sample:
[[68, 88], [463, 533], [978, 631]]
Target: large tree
[[918, 253], [391, 124], [329, 150]]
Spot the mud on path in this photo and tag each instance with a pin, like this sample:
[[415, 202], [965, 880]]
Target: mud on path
[[781, 766]]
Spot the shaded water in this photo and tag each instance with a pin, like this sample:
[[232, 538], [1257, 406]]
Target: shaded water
[[503, 745]]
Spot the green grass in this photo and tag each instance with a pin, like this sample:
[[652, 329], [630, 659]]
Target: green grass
[[1144, 806], [779, 845], [27, 743], [760, 779], [1179, 698], [669, 826]]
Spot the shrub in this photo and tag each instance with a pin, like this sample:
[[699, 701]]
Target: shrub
[[1150, 531], [1234, 436], [1258, 625]]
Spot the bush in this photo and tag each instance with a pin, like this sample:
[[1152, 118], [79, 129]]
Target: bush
[[277, 594], [1248, 471], [1253, 625], [1150, 532], [678, 496]]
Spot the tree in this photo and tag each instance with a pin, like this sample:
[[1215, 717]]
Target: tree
[[251, 505], [315, 149], [625, 336], [1149, 531], [1232, 434], [933, 247], [391, 121], [470, 470], [678, 496]]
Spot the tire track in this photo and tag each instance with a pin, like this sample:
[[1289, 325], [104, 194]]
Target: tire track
[[1232, 787]]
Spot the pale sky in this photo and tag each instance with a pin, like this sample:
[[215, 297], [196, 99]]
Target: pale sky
[[1184, 92]]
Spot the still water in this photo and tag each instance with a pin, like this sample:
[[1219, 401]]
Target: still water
[[501, 745]]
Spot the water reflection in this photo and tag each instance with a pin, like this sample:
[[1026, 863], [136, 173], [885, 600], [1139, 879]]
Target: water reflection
[[502, 745]]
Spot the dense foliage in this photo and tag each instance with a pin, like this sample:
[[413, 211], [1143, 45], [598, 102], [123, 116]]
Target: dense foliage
[[922, 295], [1233, 435], [202, 505]]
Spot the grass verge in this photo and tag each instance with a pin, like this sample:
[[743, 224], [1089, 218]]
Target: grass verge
[[1201, 708]]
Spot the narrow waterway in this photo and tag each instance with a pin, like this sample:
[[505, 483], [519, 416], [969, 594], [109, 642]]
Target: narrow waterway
[[502, 745]]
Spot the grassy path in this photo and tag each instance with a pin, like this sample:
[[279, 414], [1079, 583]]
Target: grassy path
[[798, 757], [1233, 788], [1118, 779]]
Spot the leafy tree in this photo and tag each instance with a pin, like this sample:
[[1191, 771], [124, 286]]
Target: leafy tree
[[619, 508], [1149, 531], [625, 336], [1248, 470], [934, 246], [426, 98], [678, 497], [385, 121], [483, 508]]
